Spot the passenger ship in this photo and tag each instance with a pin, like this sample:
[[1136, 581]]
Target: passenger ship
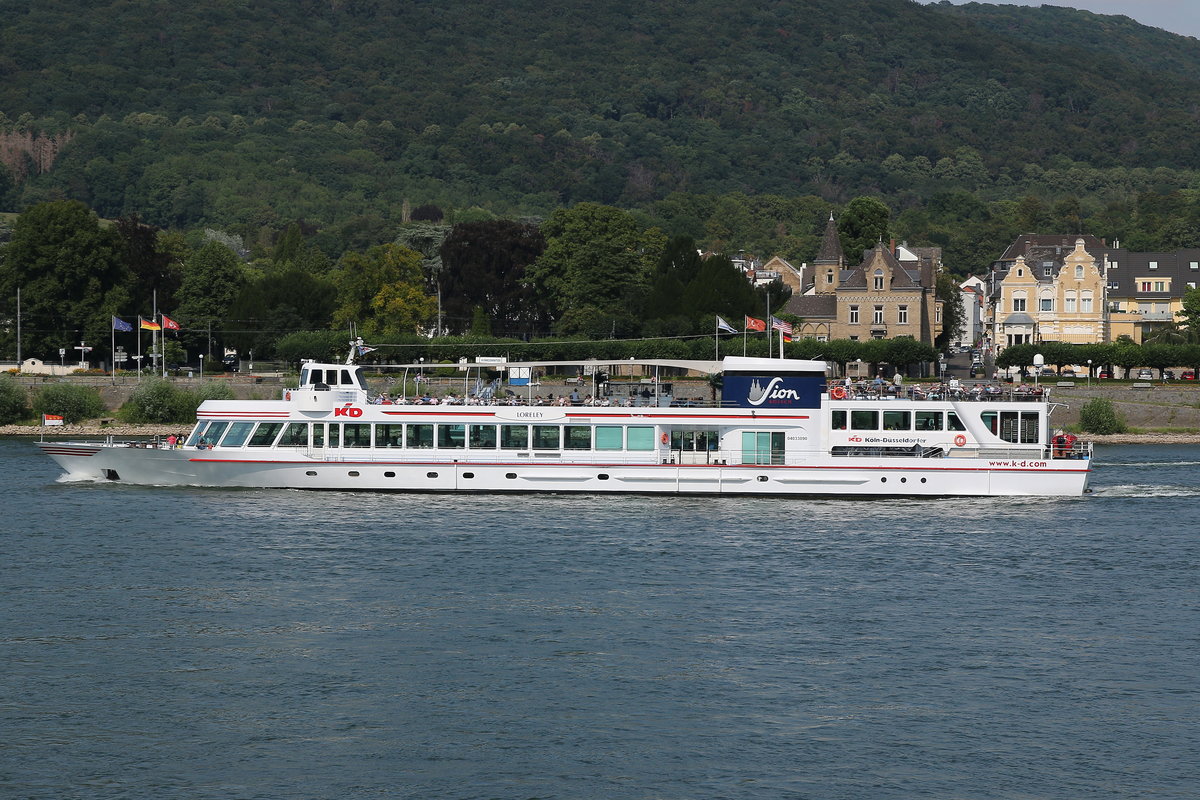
[[780, 428]]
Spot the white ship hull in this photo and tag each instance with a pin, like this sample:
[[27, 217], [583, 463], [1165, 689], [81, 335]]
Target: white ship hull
[[961, 476], [778, 434]]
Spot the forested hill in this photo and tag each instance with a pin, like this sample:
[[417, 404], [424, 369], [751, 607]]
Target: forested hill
[[217, 111], [1103, 36]]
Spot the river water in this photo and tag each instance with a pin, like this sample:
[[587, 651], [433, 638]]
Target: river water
[[192, 643]]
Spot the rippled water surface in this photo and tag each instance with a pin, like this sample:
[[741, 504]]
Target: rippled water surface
[[185, 643]]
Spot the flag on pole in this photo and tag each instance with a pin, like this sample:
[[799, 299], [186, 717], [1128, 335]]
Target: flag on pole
[[121, 325], [753, 324], [779, 325], [52, 419], [363, 349], [148, 325], [722, 325], [169, 324]]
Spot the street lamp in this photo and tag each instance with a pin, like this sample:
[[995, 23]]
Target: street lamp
[[1089, 373], [202, 366], [1038, 362]]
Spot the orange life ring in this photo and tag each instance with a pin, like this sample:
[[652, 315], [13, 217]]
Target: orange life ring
[[838, 393], [960, 440], [664, 438]]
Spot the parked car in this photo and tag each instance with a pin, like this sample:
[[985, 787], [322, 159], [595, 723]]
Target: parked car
[[1145, 375], [1188, 375], [1066, 372], [1168, 374], [1103, 374]]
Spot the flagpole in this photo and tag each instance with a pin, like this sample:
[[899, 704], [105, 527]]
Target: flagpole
[[770, 339], [717, 339], [139, 358], [744, 326], [163, 350], [112, 352]]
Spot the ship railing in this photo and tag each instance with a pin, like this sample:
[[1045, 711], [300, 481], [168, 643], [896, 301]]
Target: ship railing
[[939, 393]]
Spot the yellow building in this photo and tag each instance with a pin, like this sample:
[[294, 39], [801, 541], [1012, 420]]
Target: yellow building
[[1060, 300], [1079, 290]]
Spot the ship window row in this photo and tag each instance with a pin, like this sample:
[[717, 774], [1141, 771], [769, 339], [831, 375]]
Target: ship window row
[[447, 436], [1022, 427], [874, 420]]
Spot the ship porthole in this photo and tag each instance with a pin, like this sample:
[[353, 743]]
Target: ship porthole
[[311, 473], [762, 478], [430, 474], [904, 480], [512, 476], [352, 473], [389, 474], [468, 474], [603, 476], [923, 480], [883, 480]]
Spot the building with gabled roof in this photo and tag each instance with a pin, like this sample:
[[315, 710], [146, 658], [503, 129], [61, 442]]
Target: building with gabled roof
[[891, 293]]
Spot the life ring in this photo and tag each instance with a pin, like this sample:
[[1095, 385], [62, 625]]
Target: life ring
[[960, 440], [838, 393], [664, 438]]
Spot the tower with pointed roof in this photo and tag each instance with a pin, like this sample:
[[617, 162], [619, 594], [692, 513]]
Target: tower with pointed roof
[[830, 260]]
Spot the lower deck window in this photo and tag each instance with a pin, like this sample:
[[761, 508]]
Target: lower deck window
[[864, 420], [294, 435], [452, 437], [514, 437], [420, 437], [391, 435], [639, 437], [356, 434], [691, 441], [608, 437], [577, 437], [545, 437], [264, 435], [929, 420], [1019, 427], [483, 437], [237, 433]]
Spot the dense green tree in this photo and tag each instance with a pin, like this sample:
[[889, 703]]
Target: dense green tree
[[862, 225], [483, 267], [212, 279], [382, 291], [276, 304], [718, 287], [951, 295], [156, 272], [72, 280], [1190, 315], [597, 258]]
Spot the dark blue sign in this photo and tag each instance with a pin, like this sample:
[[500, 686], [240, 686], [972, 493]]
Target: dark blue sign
[[772, 391]]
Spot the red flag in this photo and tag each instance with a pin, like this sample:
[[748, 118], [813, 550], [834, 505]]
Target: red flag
[[169, 324], [753, 324]]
